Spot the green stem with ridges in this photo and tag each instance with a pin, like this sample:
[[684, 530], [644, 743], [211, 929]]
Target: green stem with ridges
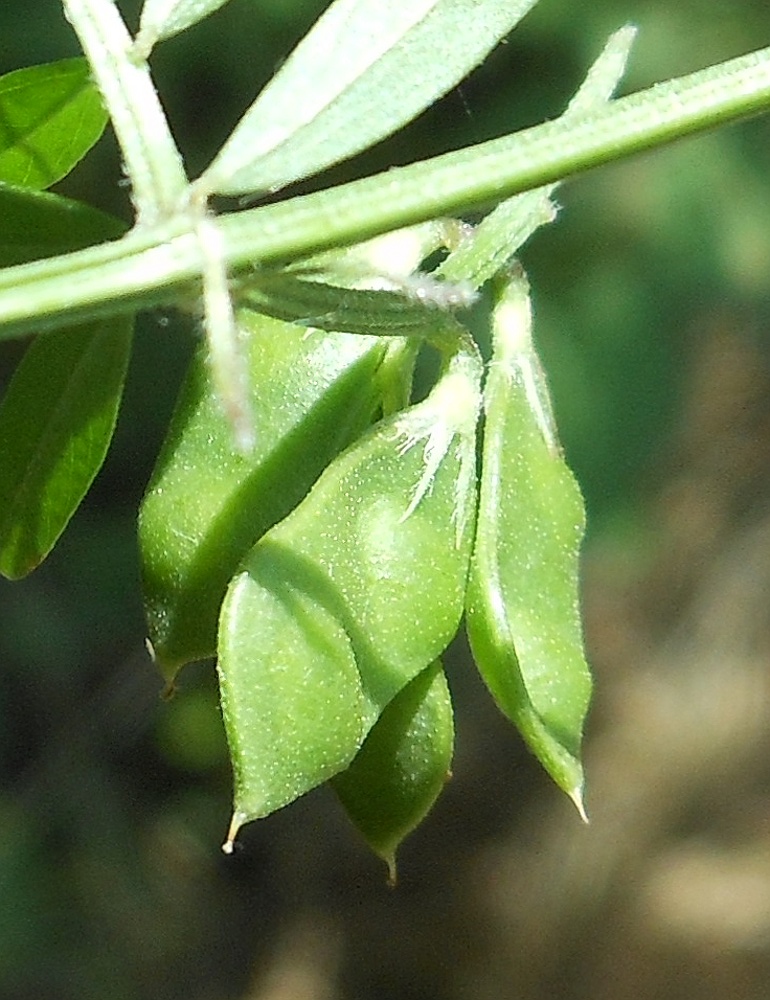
[[157, 264]]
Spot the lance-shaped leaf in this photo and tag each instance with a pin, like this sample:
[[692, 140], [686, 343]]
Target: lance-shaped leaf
[[372, 287], [35, 224], [349, 598], [164, 18], [366, 68], [405, 311], [56, 421], [50, 116], [58, 412], [523, 614], [403, 765]]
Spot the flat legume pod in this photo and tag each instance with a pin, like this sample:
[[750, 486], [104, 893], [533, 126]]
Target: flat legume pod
[[523, 616], [350, 597]]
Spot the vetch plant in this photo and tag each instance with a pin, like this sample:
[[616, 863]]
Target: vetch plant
[[308, 522]]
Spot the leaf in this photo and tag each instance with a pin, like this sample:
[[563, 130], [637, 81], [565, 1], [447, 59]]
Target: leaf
[[36, 224], [58, 412], [523, 613], [375, 287], [207, 504], [501, 234], [397, 312], [56, 421], [164, 18], [50, 116], [349, 598], [403, 765], [365, 69]]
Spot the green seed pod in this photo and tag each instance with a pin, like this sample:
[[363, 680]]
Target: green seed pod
[[350, 597], [523, 617], [401, 768], [206, 505]]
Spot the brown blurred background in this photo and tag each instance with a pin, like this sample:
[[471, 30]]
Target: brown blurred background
[[653, 314]]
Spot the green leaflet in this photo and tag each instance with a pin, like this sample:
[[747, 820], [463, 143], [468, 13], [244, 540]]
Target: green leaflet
[[400, 770], [312, 392], [381, 313], [165, 18], [59, 410], [36, 224], [50, 116], [375, 287], [523, 616], [366, 68], [56, 422], [349, 598]]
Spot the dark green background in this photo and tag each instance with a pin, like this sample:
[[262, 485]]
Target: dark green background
[[652, 296]]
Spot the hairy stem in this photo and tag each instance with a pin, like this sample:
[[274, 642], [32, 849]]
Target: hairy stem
[[158, 264], [152, 160]]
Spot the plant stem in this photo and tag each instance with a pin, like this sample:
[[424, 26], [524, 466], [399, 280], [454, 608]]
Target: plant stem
[[152, 160], [153, 265]]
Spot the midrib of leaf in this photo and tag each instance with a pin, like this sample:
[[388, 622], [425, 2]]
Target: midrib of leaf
[[63, 101], [52, 115], [28, 135]]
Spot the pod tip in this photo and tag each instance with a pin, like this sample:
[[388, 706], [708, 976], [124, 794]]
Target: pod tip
[[390, 861], [235, 824], [577, 797]]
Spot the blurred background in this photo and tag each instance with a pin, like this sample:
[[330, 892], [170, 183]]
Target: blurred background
[[652, 297]]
